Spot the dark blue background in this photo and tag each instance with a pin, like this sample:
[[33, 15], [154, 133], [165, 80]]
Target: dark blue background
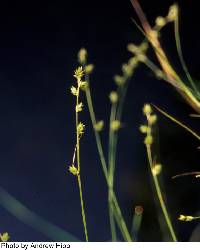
[[38, 45]]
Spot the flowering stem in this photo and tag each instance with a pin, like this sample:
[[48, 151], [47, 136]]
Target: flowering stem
[[97, 136], [117, 212], [157, 185], [79, 167], [111, 162]]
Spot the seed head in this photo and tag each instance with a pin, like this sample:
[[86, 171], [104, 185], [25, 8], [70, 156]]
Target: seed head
[[73, 170], [74, 91], [83, 85], [80, 128], [133, 62], [141, 57], [115, 125], [79, 73], [119, 80], [173, 13], [152, 119], [127, 70], [160, 21], [4, 236], [133, 48], [113, 97], [147, 110], [82, 56], [79, 107], [99, 126], [185, 218], [156, 170], [148, 140], [144, 129], [89, 68]]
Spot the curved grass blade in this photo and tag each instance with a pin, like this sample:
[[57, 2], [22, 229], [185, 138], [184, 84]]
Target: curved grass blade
[[28, 217], [180, 54]]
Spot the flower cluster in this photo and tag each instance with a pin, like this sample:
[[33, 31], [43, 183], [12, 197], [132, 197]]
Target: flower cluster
[[171, 17], [147, 129], [4, 236], [99, 126], [185, 217], [139, 52], [129, 67], [156, 168], [75, 90], [82, 59], [115, 125], [73, 170]]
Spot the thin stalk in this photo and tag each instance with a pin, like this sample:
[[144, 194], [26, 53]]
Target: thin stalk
[[79, 169], [160, 197], [111, 171], [158, 189], [120, 220], [122, 93], [180, 54], [154, 68], [196, 217], [117, 212], [112, 135], [82, 207], [111, 217], [97, 136], [178, 122]]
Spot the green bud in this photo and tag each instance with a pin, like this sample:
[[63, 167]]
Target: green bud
[[99, 126], [89, 68], [113, 96], [148, 140], [147, 110], [4, 236], [82, 56], [73, 170], [115, 125], [119, 80]]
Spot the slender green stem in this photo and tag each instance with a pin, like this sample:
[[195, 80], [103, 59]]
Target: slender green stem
[[112, 134], [177, 84], [122, 93], [196, 217], [120, 220], [159, 192], [82, 207], [117, 212], [111, 217], [116, 112], [111, 171], [97, 136], [178, 122], [79, 168], [180, 54]]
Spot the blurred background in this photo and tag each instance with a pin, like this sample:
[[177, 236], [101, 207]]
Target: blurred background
[[38, 53]]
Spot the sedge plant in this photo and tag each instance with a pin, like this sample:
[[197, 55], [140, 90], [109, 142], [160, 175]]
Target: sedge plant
[[117, 100], [75, 169], [187, 89], [165, 71], [155, 167]]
